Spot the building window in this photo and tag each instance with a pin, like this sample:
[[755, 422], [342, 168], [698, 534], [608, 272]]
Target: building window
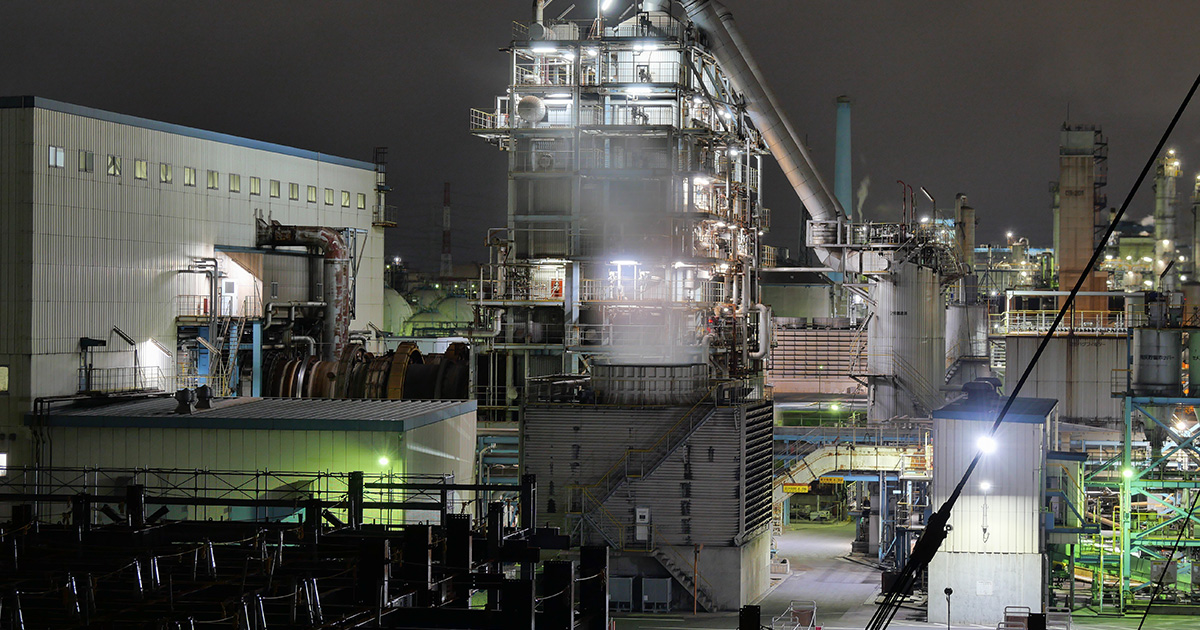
[[294, 192], [87, 161], [329, 196], [235, 183], [58, 157], [165, 174], [274, 188], [255, 186], [345, 198], [141, 169], [214, 180], [362, 201], [114, 165], [274, 290], [3, 379], [189, 176], [312, 194]]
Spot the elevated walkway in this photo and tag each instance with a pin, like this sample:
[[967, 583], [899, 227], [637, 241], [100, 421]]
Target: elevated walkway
[[909, 460]]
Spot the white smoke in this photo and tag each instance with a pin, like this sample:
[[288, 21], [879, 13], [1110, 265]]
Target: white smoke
[[1147, 221], [864, 188]]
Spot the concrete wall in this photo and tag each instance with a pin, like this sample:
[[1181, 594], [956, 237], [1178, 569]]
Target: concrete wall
[[983, 583]]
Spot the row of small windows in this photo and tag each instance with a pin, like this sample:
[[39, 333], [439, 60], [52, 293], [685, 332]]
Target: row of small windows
[[166, 175]]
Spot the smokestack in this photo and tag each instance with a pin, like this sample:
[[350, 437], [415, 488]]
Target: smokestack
[[447, 263], [842, 181]]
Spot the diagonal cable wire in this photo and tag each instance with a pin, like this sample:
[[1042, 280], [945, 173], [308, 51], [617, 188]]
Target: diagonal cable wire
[[1162, 576], [935, 530]]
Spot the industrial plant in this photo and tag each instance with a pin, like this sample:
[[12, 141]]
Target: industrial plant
[[225, 401]]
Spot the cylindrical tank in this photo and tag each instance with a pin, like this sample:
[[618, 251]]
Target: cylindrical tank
[[1193, 357], [1135, 309], [906, 342], [1157, 364]]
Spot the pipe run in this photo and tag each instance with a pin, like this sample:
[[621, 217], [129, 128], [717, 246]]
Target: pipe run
[[494, 331], [308, 341], [336, 276], [291, 306]]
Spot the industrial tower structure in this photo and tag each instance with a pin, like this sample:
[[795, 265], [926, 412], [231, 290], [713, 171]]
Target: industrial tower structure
[[635, 214]]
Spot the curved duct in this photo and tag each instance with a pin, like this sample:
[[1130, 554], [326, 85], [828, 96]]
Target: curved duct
[[764, 332], [730, 50], [336, 276]]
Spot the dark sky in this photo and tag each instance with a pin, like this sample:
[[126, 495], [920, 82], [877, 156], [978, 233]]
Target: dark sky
[[956, 96]]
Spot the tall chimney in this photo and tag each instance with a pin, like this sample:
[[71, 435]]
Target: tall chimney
[[447, 263], [841, 166]]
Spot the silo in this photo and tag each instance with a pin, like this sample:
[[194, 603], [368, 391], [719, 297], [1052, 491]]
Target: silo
[[906, 342], [1157, 364]]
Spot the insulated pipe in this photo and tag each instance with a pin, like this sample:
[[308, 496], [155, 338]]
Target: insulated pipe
[[309, 341], [764, 332], [494, 331], [336, 284], [730, 50]]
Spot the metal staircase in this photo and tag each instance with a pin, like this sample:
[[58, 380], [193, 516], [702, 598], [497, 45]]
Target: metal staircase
[[686, 578]]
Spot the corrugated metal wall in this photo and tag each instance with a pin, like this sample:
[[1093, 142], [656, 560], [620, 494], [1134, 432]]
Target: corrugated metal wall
[[15, 281], [1012, 506], [107, 250], [711, 490], [1077, 371], [447, 446]]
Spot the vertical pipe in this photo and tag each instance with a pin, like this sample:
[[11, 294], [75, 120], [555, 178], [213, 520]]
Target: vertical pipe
[[256, 360], [841, 169]]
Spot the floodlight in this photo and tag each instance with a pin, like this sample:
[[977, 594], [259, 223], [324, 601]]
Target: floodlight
[[986, 445]]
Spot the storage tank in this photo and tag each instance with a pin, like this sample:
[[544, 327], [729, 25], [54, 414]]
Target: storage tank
[[396, 311], [1157, 361], [906, 351], [1193, 359]]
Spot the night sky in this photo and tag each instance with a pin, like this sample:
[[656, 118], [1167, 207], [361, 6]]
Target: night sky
[[954, 96]]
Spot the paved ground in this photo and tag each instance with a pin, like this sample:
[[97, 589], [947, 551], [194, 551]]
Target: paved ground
[[845, 592]]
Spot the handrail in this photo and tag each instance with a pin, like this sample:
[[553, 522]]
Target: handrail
[[604, 479]]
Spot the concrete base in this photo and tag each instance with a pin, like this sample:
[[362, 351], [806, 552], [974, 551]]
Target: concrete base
[[732, 576], [984, 583]]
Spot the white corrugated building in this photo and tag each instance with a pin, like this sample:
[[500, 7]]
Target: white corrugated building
[[101, 213], [994, 554]]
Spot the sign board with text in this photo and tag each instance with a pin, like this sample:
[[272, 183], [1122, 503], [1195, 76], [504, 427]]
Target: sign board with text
[[795, 488]]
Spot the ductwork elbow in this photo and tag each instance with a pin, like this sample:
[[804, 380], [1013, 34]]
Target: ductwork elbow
[[764, 332]]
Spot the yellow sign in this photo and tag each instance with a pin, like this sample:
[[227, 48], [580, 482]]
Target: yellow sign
[[795, 488], [832, 480]]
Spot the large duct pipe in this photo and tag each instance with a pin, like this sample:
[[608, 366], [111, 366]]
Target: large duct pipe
[[730, 50], [336, 277]]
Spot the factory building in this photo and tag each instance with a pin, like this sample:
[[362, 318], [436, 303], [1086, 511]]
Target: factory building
[[144, 258], [626, 408]]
